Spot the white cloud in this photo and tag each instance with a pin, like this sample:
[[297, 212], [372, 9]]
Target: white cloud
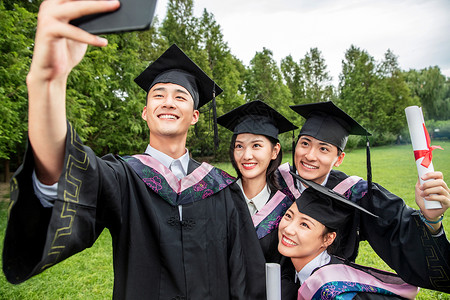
[[416, 31]]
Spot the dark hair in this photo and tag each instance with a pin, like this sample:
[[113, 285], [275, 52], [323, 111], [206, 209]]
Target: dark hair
[[271, 175]]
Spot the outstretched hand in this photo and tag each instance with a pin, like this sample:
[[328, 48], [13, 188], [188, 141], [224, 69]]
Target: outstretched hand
[[60, 46], [433, 190]]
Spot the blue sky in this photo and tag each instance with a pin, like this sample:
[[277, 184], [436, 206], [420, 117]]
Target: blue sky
[[418, 32]]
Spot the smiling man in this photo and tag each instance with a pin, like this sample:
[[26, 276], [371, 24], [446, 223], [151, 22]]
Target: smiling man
[[180, 229]]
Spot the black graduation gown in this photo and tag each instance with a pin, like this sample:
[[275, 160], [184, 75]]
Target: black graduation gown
[[213, 253], [398, 236]]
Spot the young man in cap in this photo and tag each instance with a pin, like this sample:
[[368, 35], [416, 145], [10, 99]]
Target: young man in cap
[[180, 229], [411, 242]]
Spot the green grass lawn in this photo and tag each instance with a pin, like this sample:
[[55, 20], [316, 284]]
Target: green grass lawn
[[89, 275]]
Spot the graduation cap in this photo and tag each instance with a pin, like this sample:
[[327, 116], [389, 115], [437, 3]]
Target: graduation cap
[[174, 66], [256, 117], [325, 205], [328, 123]]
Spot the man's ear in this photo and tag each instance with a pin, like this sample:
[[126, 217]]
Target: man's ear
[[195, 117], [144, 113], [340, 159]]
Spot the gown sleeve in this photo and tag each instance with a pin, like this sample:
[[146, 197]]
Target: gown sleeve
[[398, 236], [404, 242], [38, 237]]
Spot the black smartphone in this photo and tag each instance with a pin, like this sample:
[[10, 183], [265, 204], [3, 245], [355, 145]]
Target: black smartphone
[[132, 15]]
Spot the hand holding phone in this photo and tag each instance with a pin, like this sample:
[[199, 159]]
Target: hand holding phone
[[132, 15]]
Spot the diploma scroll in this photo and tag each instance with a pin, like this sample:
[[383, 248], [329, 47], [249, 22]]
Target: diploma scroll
[[420, 141], [273, 281]]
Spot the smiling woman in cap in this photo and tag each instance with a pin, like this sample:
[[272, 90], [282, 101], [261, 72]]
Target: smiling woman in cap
[[411, 242], [255, 153], [308, 234]]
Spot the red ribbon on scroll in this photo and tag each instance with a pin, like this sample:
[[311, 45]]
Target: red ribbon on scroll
[[426, 154]]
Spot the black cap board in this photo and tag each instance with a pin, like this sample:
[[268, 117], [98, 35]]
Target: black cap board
[[325, 205], [174, 66], [327, 122], [256, 117]]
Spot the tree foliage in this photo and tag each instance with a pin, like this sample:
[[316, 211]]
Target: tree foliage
[[308, 80], [293, 78], [375, 94], [433, 90], [105, 105], [397, 95], [317, 81], [16, 42], [358, 93]]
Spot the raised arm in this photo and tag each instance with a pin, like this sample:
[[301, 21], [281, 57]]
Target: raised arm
[[59, 47], [433, 190]]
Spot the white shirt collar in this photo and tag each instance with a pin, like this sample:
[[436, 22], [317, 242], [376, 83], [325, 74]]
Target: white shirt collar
[[301, 187], [166, 160], [318, 261], [259, 200]]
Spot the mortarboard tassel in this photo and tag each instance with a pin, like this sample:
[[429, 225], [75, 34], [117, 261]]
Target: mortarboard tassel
[[216, 131], [294, 169], [369, 170]]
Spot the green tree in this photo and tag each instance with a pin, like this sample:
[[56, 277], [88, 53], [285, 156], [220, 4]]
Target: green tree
[[308, 80], [358, 95], [292, 76], [396, 93], [315, 77], [16, 32], [433, 89], [264, 82], [376, 94], [180, 26]]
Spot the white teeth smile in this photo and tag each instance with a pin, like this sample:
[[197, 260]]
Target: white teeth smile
[[167, 117], [249, 165], [289, 242], [309, 166]]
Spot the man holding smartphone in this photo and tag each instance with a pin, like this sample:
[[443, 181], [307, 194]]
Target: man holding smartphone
[[180, 229]]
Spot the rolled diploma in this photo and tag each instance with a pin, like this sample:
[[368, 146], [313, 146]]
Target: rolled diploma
[[273, 281], [415, 120]]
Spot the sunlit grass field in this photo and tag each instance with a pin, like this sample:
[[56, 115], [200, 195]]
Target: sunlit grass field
[[89, 275]]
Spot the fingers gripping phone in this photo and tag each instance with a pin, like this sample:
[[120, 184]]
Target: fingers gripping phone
[[132, 15]]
